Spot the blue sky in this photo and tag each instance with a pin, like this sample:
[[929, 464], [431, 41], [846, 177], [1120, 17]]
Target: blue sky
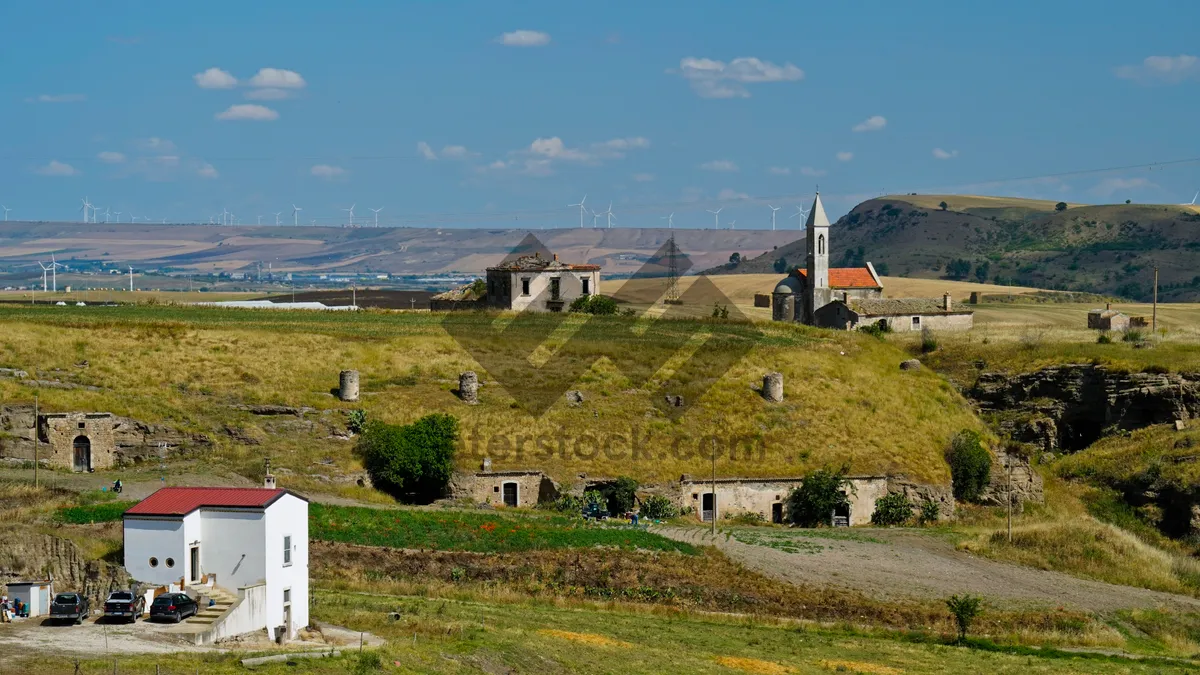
[[493, 113]]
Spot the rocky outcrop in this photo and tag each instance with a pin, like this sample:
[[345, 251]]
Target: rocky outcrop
[[134, 441], [30, 556], [918, 493], [1066, 408], [1012, 475]]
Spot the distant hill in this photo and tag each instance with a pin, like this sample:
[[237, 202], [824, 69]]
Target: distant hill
[[396, 250], [1107, 249]]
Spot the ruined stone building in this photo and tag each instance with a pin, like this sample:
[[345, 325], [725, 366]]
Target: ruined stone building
[[78, 441], [849, 297], [1107, 319], [540, 284], [767, 496]]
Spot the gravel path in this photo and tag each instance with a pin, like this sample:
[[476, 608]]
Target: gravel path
[[898, 564]]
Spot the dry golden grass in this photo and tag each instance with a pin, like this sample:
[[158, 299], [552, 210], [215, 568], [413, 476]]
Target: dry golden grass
[[960, 202], [860, 667], [756, 666], [585, 638]]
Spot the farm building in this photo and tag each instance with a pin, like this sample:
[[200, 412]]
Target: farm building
[[250, 543], [78, 441], [766, 497], [847, 297], [1107, 319], [532, 282], [510, 488], [35, 594], [899, 315]]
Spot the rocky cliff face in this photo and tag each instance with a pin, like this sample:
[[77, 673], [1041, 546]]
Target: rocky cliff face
[[135, 441], [28, 556], [1067, 408]]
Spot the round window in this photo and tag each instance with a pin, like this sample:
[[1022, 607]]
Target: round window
[[170, 562], [154, 562]]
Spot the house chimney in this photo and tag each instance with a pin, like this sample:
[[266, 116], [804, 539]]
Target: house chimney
[[555, 256], [269, 478], [947, 303], [1108, 305]]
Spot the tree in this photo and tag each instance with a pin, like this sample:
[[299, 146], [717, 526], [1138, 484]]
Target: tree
[[981, 271], [970, 465], [822, 492], [781, 265], [1127, 201], [881, 269], [414, 461], [943, 206], [1061, 206], [620, 495], [657, 507], [594, 304], [735, 258], [964, 609], [958, 269]]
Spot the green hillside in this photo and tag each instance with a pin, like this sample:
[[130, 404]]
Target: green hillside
[[1109, 249]]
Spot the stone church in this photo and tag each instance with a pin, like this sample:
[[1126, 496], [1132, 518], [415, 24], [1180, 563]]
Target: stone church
[[850, 297]]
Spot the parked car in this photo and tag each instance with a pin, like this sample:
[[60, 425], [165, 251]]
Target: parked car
[[70, 606], [125, 605], [173, 606]]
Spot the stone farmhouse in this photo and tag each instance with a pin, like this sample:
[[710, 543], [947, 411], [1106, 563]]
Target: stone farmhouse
[[247, 546], [766, 497], [78, 441], [849, 297], [531, 282], [1107, 319]]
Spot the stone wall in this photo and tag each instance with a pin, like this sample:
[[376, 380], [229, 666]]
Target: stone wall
[[766, 497], [487, 487], [59, 431]]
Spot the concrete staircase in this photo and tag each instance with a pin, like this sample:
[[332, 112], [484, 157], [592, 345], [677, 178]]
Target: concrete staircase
[[210, 615]]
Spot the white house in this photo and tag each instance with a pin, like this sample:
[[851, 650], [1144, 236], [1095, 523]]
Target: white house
[[250, 542], [531, 282]]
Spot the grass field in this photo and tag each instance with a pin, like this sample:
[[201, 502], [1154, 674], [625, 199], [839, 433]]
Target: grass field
[[846, 398], [471, 531]]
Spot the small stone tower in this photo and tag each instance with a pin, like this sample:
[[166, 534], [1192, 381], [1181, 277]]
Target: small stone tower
[[348, 385], [817, 241]]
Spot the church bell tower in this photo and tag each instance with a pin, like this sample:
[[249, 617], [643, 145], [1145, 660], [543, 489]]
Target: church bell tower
[[817, 241]]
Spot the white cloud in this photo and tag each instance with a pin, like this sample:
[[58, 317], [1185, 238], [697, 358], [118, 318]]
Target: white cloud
[[524, 38], [457, 152], [554, 148], [215, 78], [424, 150], [811, 172], [1162, 69], [873, 123], [1110, 186], [845, 156], [167, 160], [780, 171], [716, 79], [327, 171], [248, 111], [57, 98], [276, 78], [643, 177], [56, 168], [207, 170], [155, 144], [110, 157], [729, 194], [268, 94], [719, 165], [498, 165], [944, 154]]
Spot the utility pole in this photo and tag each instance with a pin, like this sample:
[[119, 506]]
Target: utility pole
[[1154, 315], [36, 477], [1008, 465]]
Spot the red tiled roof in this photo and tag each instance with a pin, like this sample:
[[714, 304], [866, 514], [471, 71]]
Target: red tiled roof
[[180, 501], [848, 277]]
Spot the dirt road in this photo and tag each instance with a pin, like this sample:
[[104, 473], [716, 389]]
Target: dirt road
[[899, 564]]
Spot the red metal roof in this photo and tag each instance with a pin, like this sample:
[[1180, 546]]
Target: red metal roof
[[180, 501], [848, 277]]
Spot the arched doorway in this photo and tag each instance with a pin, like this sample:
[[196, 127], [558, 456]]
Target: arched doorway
[[83, 453]]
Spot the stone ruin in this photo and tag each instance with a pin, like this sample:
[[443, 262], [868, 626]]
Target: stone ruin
[[772, 387], [348, 385], [468, 387]]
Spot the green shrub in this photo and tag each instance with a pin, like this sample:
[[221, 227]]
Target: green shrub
[[720, 311], [1104, 339], [657, 507], [594, 500], [823, 491], [569, 504], [893, 509], [928, 342], [964, 609], [620, 495], [747, 518], [970, 465], [357, 421], [929, 512], [411, 462], [878, 329], [1133, 335], [594, 304], [367, 662]]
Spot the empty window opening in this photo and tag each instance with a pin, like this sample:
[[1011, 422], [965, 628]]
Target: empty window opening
[[153, 561], [555, 288], [525, 287], [916, 321], [586, 286], [510, 494], [821, 244], [170, 562]]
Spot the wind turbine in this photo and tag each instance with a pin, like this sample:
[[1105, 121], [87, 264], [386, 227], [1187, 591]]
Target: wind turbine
[[803, 215], [132, 218], [670, 219], [595, 217], [277, 214], [1191, 203], [260, 220], [351, 211], [609, 215], [296, 214], [118, 215], [581, 209], [54, 265], [716, 217], [45, 268], [6, 210], [86, 205], [773, 210], [225, 216], [131, 278], [732, 224], [106, 215], [376, 212]]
